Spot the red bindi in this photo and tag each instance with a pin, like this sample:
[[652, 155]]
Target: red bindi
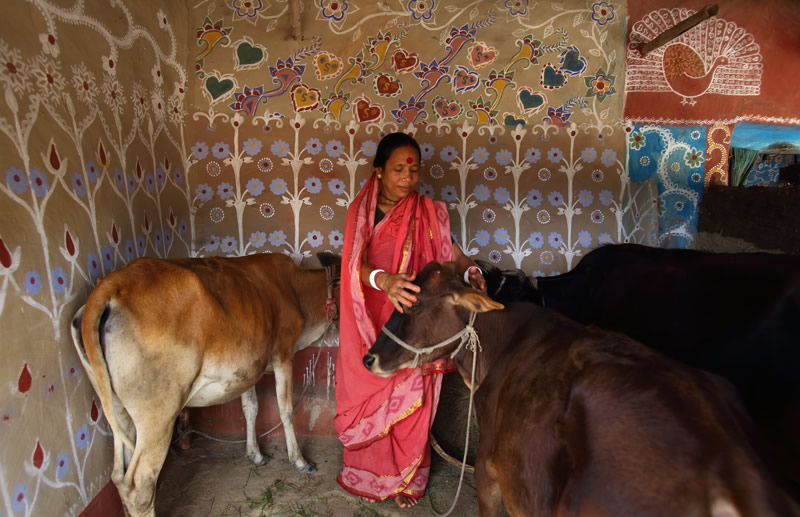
[[410, 160]]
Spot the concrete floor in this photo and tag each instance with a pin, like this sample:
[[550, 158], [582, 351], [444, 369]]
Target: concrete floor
[[215, 479]]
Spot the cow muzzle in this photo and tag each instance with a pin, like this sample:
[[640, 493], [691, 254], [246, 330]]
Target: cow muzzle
[[372, 363]]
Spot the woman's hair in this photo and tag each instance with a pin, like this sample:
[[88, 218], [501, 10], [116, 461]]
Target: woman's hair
[[391, 142]]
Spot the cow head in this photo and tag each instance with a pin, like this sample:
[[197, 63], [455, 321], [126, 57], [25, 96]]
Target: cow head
[[509, 285], [442, 310]]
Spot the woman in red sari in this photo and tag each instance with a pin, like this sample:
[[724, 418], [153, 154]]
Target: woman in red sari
[[391, 232]]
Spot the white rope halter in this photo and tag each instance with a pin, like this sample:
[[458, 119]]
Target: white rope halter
[[467, 335]]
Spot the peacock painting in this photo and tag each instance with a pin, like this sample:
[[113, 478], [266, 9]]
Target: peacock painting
[[715, 57]]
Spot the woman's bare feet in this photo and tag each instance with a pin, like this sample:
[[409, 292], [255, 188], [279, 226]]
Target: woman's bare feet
[[404, 501]]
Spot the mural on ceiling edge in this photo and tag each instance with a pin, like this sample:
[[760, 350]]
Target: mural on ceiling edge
[[674, 157], [714, 72], [369, 68], [715, 57], [77, 100]]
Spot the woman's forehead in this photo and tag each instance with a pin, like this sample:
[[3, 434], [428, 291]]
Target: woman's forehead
[[405, 154]]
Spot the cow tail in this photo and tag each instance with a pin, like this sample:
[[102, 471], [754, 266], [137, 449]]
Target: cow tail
[[86, 332]]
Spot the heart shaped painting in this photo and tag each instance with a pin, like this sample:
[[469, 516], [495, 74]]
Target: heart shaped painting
[[465, 80], [248, 56], [304, 98], [445, 109], [552, 79], [365, 111], [530, 102], [511, 120], [327, 66], [386, 86], [480, 54], [572, 63], [404, 61], [217, 88]]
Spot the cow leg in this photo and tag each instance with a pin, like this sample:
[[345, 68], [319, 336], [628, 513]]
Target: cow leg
[[250, 408], [283, 389], [489, 501], [182, 429], [139, 484]]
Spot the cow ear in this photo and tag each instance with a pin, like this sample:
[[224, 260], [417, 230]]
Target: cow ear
[[475, 301]]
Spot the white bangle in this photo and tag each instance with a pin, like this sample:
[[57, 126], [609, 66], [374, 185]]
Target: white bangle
[[466, 273], [372, 278]]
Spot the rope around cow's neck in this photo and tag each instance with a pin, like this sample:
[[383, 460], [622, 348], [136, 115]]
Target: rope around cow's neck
[[469, 336]]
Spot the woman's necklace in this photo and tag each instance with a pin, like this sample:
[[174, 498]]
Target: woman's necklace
[[388, 201]]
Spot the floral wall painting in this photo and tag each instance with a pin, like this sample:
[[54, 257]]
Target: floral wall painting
[[201, 128], [505, 124], [94, 175], [675, 158]]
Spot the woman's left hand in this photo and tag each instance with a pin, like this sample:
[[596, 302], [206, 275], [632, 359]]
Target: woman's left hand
[[476, 279]]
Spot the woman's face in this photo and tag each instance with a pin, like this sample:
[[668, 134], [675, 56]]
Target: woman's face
[[400, 175]]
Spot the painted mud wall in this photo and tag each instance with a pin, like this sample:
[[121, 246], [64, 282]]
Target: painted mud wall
[[287, 128], [93, 176], [205, 128], [684, 99]]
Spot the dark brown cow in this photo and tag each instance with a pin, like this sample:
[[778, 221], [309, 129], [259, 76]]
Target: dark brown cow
[[580, 421], [160, 335], [733, 314]]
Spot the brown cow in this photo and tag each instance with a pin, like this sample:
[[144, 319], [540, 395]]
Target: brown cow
[[160, 335], [576, 420]]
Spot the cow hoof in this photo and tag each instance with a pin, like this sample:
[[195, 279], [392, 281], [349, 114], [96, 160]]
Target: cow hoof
[[310, 468], [258, 460]]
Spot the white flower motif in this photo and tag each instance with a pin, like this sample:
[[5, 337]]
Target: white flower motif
[[158, 78], [49, 44]]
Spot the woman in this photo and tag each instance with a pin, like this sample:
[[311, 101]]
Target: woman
[[391, 232]]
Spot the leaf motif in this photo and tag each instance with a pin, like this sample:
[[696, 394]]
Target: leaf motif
[[612, 56], [519, 33], [5, 255], [594, 52], [451, 8], [557, 6], [473, 13], [577, 20], [604, 113], [603, 36], [587, 111], [548, 31], [38, 455], [25, 379], [357, 35], [585, 33]]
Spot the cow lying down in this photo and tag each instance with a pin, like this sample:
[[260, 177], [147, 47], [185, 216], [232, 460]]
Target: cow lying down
[[160, 335], [575, 420]]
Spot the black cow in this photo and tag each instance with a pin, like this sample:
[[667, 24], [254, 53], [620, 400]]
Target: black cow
[[734, 314]]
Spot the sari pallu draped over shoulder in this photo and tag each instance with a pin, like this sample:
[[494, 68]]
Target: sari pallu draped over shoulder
[[384, 422]]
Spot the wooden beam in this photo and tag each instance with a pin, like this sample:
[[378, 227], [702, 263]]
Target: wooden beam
[[673, 32], [295, 24]]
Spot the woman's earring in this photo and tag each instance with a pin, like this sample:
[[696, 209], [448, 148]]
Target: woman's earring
[[379, 176]]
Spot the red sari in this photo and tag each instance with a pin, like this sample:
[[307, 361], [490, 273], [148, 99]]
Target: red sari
[[384, 422]]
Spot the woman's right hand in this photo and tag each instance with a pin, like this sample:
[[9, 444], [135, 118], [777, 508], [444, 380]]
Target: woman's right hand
[[400, 288]]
